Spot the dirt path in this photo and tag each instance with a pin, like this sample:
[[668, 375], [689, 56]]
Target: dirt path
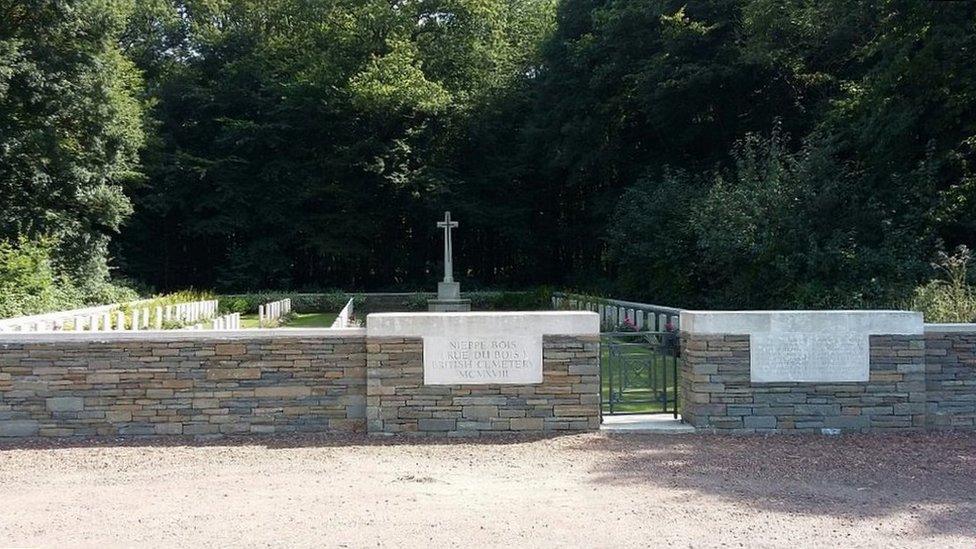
[[586, 490]]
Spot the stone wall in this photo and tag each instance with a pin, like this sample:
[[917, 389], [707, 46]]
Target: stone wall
[[182, 384], [950, 376], [717, 393], [214, 383], [399, 402]]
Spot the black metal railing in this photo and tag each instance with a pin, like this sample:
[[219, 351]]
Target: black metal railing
[[639, 372], [616, 313]]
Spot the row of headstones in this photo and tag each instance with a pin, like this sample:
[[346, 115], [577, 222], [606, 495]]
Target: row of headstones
[[142, 319], [231, 321], [345, 317], [274, 310], [614, 317], [192, 312], [59, 320]]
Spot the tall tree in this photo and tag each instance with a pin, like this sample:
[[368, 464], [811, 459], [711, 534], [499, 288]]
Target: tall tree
[[70, 128], [309, 143], [849, 214], [761, 153]]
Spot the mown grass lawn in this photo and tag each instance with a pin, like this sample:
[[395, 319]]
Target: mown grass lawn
[[298, 320], [311, 320]]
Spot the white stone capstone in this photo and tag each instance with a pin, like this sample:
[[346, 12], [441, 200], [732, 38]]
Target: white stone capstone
[[950, 328], [805, 346], [18, 338]]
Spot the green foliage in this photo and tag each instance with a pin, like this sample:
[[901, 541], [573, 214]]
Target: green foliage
[[236, 304], [31, 284], [150, 304], [951, 298], [301, 144], [394, 82], [532, 300], [70, 129], [310, 320], [417, 302], [775, 230], [164, 300], [762, 153], [652, 238], [28, 282], [844, 216], [300, 302]]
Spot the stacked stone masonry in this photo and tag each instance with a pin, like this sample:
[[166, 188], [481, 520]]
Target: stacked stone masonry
[[188, 386], [950, 379], [399, 402], [163, 385], [915, 382]]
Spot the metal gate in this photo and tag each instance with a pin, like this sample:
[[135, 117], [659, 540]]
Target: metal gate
[[639, 372]]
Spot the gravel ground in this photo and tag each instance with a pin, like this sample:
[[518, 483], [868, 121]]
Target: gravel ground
[[591, 490]]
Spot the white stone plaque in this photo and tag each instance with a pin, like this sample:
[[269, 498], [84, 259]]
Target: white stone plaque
[[809, 357], [482, 359]]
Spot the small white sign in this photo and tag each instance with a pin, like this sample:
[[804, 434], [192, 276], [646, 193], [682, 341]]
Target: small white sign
[[809, 357], [481, 360]]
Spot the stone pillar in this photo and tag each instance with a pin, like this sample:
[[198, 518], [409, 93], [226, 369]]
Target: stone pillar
[[858, 371], [950, 362], [406, 393]]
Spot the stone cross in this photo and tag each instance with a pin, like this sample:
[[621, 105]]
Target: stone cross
[[447, 225]]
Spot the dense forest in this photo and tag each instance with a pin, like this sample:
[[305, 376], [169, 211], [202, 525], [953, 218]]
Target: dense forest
[[696, 153]]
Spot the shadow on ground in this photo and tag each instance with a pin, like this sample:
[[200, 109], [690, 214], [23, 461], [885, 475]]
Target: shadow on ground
[[930, 475], [279, 441]]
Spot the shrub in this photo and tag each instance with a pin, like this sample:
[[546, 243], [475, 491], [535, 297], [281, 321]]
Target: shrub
[[29, 283], [417, 302], [952, 298], [300, 303], [106, 292], [235, 305], [529, 300]]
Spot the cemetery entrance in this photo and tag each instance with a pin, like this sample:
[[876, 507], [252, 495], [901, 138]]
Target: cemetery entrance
[[639, 372]]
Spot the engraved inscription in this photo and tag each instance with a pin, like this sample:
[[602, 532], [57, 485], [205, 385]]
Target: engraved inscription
[[479, 360], [809, 357]]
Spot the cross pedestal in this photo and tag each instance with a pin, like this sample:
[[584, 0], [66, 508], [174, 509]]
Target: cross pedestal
[[448, 291]]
